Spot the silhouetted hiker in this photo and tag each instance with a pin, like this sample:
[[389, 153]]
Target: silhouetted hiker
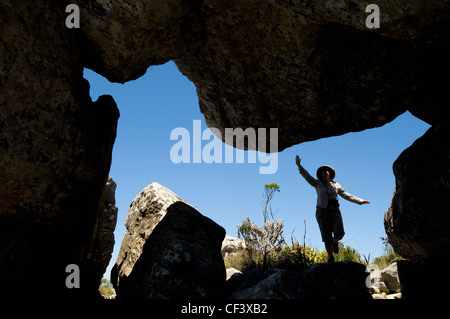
[[328, 214]]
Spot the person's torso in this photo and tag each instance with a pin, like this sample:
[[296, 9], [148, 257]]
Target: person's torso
[[323, 196]]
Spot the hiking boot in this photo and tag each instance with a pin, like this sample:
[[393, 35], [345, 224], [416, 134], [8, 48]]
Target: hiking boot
[[330, 259], [336, 247]]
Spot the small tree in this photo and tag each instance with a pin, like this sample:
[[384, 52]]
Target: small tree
[[269, 237], [269, 192]]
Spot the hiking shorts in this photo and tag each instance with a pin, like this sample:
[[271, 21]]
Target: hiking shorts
[[330, 223]]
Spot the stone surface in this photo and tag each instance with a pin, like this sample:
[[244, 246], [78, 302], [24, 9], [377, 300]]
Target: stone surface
[[106, 244], [176, 255], [240, 282], [232, 245], [389, 276], [277, 284], [422, 281], [417, 221], [313, 70], [146, 211], [394, 296], [55, 153], [232, 271], [384, 296], [343, 280], [386, 280], [124, 37]]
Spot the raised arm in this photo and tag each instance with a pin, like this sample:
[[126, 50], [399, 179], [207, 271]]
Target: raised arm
[[311, 180]]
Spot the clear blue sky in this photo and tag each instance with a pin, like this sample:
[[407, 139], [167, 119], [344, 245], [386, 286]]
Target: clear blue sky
[[163, 99]]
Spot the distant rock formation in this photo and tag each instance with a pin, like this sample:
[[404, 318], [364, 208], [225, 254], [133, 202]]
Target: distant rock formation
[[232, 245], [170, 250]]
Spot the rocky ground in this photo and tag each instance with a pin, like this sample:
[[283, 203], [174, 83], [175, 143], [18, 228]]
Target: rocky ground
[[381, 284], [170, 250]]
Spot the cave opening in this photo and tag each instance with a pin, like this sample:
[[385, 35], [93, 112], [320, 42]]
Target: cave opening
[[163, 99]]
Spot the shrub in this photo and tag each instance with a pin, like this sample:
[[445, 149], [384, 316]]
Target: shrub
[[347, 254], [261, 243], [106, 289], [387, 257], [295, 257]]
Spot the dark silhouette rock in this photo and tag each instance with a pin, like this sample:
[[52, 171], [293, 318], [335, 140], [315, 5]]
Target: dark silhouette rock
[[311, 69], [417, 221], [106, 243], [342, 280], [55, 154], [179, 257]]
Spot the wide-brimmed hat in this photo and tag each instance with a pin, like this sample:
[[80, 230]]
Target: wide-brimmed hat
[[325, 168]]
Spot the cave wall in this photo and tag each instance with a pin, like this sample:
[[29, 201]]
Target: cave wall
[[55, 153]]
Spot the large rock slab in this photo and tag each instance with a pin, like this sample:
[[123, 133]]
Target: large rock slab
[[175, 256], [124, 37], [310, 68], [417, 222], [313, 69]]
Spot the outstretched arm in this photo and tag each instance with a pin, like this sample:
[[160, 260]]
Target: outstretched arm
[[343, 193], [311, 180]]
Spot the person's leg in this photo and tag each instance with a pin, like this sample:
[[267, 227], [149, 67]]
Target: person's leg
[[329, 249], [326, 231], [335, 245], [338, 231]]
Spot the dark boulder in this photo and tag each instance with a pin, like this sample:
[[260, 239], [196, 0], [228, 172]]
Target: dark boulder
[[342, 280], [180, 257], [417, 221]]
